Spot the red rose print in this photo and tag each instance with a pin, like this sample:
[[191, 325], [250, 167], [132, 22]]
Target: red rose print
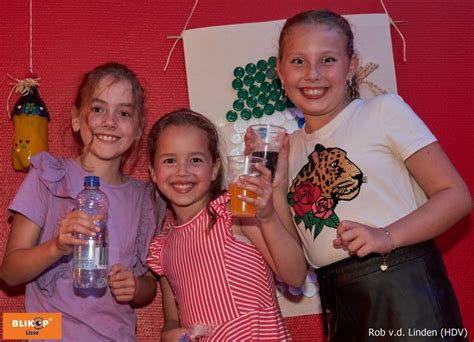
[[306, 194], [323, 208]]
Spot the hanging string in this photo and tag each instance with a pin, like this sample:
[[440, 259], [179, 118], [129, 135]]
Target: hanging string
[[31, 36], [398, 30], [23, 87], [178, 38]]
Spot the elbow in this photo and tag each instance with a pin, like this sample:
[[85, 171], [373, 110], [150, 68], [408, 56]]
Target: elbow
[[9, 280], [296, 278], [466, 203], [301, 277], [296, 283], [9, 276]]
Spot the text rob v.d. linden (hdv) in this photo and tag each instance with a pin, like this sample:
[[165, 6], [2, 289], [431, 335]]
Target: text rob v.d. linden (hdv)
[[417, 332]]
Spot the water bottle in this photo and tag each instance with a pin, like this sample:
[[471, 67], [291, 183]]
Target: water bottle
[[90, 261]]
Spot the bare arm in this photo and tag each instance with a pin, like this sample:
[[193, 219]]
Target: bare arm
[[269, 234], [280, 190], [22, 247], [448, 198], [145, 292], [280, 183], [448, 201], [172, 330], [282, 252]]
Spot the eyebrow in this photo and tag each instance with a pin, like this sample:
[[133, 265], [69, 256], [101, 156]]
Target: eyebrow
[[192, 154], [123, 104]]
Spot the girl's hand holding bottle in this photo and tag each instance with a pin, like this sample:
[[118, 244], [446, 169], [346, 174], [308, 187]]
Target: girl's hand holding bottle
[[75, 222]]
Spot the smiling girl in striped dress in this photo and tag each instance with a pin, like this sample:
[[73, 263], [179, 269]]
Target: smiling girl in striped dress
[[216, 272]]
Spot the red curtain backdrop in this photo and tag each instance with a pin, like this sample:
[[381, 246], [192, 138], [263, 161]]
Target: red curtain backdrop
[[71, 37]]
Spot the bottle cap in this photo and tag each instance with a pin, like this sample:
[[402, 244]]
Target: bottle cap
[[93, 181]]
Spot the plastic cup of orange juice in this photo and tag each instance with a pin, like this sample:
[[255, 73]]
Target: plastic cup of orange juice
[[238, 166]]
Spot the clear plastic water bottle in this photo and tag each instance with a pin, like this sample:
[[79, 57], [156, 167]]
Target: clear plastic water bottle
[[90, 261]]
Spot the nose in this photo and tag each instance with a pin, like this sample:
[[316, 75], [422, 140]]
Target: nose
[[312, 72], [182, 168], [109, 120]]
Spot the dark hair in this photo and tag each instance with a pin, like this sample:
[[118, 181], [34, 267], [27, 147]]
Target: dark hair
[[187, 117], [322, 17], [118, 72]]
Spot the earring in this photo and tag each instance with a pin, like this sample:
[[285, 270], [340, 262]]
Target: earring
[[283, 92], [75, 129], [351, 91]]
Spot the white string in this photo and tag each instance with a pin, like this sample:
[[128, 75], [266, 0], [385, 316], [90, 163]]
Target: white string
[[31, 36], [23, 87], [178, 38], [393, 23]]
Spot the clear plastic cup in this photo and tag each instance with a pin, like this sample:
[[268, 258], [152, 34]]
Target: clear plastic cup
[[238, 166], [267, 142]]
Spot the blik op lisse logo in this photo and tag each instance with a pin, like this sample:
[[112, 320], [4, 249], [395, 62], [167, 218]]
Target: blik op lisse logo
[[32, 326]]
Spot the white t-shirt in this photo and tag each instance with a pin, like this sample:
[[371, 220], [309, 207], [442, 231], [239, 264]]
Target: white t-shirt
[[353, 169]]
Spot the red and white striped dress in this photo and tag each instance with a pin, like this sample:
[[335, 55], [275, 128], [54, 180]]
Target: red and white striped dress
[[218, 280]]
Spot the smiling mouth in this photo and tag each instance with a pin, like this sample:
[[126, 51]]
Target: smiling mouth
[[313, 93], [182, 187], [107, 138]]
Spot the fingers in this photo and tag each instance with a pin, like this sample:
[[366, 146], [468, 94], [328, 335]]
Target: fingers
[[260, 186], [79, 223], [359, 239], [249, 139], [264, 176], [122, 283], [117, 268], [71, 225]]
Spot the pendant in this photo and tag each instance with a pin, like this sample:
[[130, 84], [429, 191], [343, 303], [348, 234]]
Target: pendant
[[384, 267]]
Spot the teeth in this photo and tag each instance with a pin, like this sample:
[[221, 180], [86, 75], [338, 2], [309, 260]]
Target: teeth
[[183, 186], [107, 137], [313, 92]]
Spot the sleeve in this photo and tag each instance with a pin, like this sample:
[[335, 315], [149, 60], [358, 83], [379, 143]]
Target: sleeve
[[31, 199], [45, 178], [403, 130], [154, 257], [44, 182], [151, 219]]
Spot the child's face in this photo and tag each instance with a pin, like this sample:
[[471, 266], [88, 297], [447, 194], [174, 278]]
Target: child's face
[[314, 68], [183, 169], [108, 122]]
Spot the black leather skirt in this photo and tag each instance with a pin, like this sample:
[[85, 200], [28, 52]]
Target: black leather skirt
[[413, 300]]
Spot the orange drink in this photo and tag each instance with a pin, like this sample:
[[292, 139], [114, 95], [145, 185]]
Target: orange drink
[[239, 207], [238, 166]]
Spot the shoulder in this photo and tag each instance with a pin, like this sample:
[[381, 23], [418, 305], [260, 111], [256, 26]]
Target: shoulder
[[46, 162], [140, 187], [386, 101], [140, 184], [296, 136], [62, 177]]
